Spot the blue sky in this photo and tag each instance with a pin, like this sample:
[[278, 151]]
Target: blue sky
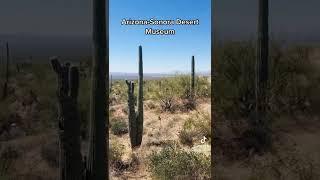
[[161, 54]]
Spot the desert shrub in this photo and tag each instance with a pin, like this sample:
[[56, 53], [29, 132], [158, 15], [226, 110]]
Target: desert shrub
[[8, 156], [186, 137], [151, 105], [118, 92], [285, 163], [171, 91], [167, 96], [50, 152], [203, 87], [291, 80], [119, 127], [116, 151], [134, 161], [307, 171], [168, 93], [195, 127], [172, 162], [234, 80], [34, 89]]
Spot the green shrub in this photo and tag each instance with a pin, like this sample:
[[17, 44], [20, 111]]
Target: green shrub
[[167, 94], [186, 137], [195, 127], [118, 92], [116, 151], [168, 91], [119, 127], [203, 87], [173, 162]]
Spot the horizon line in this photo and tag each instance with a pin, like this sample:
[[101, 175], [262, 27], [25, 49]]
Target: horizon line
[[172, 72]]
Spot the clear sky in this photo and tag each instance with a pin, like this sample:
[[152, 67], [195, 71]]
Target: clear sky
[[161, 54]]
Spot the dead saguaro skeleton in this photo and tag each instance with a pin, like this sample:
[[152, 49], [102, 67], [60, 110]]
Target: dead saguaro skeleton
[[71, 166]]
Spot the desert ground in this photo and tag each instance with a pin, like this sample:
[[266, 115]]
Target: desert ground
[[29, 145], [164, 127]]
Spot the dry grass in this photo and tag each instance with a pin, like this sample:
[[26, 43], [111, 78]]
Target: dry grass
[[160, 129], [31, 160]]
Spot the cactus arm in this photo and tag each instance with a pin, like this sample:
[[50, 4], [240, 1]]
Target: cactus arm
[[131, 113]]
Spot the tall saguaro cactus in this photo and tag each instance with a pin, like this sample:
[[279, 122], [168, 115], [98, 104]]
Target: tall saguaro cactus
[[140, 99], [191, 100], [192, 79], [5, 86], [261, 122], [69, 123], [99, 118], [136, 118]]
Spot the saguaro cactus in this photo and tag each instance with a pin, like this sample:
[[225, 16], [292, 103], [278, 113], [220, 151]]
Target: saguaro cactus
[[191, 102], [5, 86], [110, 88], [69, 124], [261, 122], [192, 88], [136, 118], [99, 114]]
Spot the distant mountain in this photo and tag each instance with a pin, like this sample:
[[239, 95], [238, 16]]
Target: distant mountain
[[147, 76]]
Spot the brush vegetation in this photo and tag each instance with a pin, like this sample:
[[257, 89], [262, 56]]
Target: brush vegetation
[[292, 109]]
